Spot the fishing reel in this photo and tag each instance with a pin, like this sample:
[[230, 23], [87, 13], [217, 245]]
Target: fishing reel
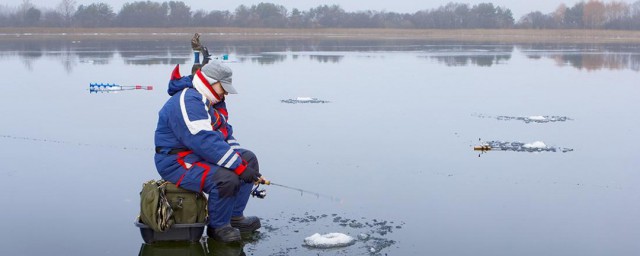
[[259, 193]]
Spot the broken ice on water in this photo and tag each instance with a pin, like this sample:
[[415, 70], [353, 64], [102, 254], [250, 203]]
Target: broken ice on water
[[304, 100], [353, 236], [331, 240], [530, 119], [537, 146], [536, 119]]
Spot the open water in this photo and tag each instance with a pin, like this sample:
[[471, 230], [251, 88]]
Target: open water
[[390, 152]]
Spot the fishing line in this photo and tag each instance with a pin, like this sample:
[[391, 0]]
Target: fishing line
[[262, 193], [81, 144]]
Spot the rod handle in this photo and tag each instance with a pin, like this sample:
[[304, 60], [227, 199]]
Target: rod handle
[[264, 181]]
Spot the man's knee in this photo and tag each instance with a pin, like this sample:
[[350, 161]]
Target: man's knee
[[227, 182]]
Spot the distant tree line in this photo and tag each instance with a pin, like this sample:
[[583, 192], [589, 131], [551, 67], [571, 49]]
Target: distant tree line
[[593, 14], [586, 15]]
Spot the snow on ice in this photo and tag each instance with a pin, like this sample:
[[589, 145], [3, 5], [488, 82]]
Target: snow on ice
[[330, 240]]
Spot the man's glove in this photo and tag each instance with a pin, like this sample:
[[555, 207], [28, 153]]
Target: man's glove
[[250, 175]]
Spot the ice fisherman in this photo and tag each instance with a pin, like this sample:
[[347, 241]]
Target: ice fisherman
[[199, 49], [196, 46], [196, 150]]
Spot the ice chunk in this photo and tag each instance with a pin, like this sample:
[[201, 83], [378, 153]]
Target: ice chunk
[[305, 99], [330, 240], [537, 144], [537, 118]]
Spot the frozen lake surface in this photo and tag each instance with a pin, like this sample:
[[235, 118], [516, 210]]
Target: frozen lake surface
[[393, 146]]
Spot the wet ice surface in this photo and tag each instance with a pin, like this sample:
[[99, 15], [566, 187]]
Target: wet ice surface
[[343, 236], [530, 119], [303, 100], [452, 202], [537, 146]]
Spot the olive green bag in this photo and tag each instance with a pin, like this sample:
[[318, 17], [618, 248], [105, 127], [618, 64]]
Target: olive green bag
[[163, 204], [188, 207]]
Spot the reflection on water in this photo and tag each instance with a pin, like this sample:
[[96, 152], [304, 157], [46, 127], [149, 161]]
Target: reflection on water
[[264, 59], [194, 249], [207, 246], [588, 57], [476, 55], [592, 62], [155, 60], [476, 60], [327, 58]]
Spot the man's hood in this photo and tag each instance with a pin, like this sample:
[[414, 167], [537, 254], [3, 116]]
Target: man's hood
[[178, 85], [177, 82]]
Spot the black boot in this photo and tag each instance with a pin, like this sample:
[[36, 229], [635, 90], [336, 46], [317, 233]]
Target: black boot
[[246, 224], [224, 234]]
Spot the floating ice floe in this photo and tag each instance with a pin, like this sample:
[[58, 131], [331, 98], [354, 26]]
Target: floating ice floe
[[304, 100], [331, 240]]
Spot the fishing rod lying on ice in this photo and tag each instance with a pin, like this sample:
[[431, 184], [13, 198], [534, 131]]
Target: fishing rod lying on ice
[[262, 193]]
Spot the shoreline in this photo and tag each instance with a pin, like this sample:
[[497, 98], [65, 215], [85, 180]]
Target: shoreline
[[239, 34]]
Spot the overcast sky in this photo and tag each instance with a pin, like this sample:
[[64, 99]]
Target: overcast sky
[[519, 7]]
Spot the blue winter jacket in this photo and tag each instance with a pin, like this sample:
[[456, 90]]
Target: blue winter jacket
[[188, 121]]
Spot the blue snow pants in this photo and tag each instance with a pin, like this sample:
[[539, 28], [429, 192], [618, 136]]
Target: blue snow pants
[[228, 194]]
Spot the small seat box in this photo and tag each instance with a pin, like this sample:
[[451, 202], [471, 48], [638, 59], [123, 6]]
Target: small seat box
[[177, 232], [187, 211]]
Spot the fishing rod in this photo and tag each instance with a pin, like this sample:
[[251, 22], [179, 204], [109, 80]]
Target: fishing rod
[[262, 193], [95, 87]]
